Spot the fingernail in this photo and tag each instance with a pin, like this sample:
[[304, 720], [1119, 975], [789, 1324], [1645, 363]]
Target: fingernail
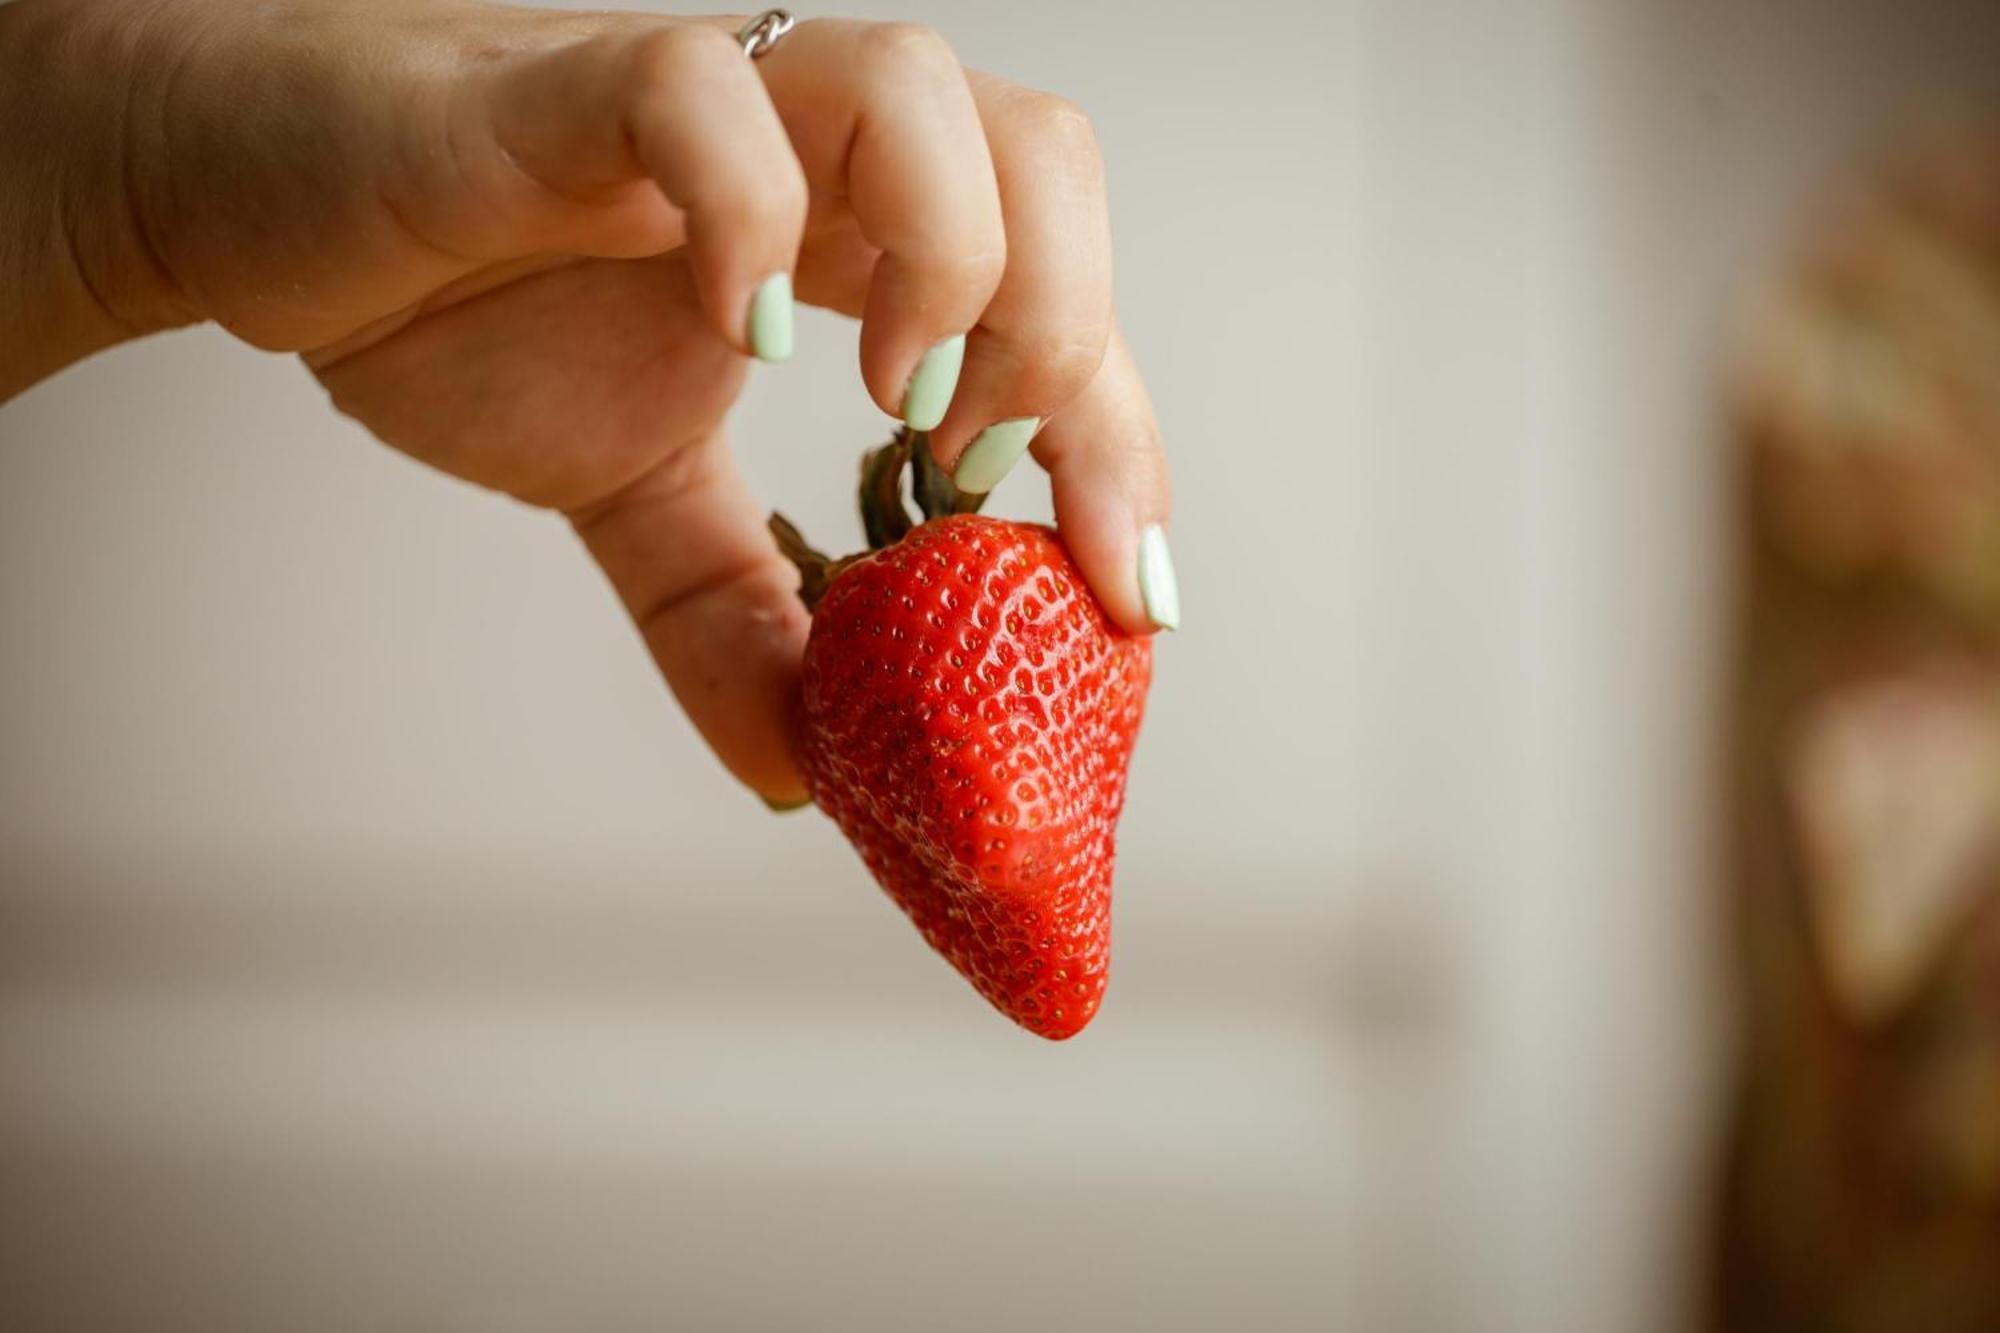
[[785, 807], [771, 318], [1159, 591], [932, 382], [993, 453]]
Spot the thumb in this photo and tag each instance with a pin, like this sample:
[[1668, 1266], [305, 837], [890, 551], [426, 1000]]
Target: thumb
[[686, 549]]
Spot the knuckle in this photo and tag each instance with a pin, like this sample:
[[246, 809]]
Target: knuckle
[[794, 195], [976, 269], [903, 46], [1077, 354], [779, 194], [762, 207], [1057, 121], [1140, 457], [1057, 365], [960, 265], [668, 55]]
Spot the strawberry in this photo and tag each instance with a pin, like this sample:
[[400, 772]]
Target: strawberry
[[967, 718]]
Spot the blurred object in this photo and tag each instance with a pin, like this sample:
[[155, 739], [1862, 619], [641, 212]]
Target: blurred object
[[1893, 786], [1863, 1188], [1874, 396]]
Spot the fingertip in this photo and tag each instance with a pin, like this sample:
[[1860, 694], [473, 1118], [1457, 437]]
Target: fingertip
[[769, 329], [928, 394], [1113, 497], [914, 328], [986, 461], [1098, 528], [1159, 587]]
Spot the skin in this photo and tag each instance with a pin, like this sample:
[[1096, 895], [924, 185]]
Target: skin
[[521, 246]]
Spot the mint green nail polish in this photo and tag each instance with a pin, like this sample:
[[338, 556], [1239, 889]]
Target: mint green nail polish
[[771, 318], [1159, 590], [932, 382], [993, 453]]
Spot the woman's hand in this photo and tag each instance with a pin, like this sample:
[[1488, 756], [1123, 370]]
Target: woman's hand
[[533, 249]]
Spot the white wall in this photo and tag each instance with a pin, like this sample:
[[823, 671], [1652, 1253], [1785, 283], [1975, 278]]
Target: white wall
[[1431, 296]]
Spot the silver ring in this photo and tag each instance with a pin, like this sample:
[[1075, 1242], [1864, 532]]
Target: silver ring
[[760, 34]]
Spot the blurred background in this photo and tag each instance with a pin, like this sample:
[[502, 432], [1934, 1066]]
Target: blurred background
[[380, 949]]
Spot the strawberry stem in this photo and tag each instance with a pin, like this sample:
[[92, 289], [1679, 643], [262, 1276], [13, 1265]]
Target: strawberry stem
[[816, 569], [932, 487], [885, 518]]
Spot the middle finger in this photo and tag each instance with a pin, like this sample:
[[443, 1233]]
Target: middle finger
[[1043, 336], [881, 116]]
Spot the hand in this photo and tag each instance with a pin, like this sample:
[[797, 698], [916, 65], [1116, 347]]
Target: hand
[[525, 246]]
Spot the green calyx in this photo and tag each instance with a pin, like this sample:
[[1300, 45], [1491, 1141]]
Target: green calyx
[[885, 517]]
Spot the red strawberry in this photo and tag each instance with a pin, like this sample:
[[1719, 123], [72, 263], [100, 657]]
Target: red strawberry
[[968, 716]]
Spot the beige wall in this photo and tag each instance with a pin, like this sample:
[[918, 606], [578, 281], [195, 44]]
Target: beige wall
[[385, 948]]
